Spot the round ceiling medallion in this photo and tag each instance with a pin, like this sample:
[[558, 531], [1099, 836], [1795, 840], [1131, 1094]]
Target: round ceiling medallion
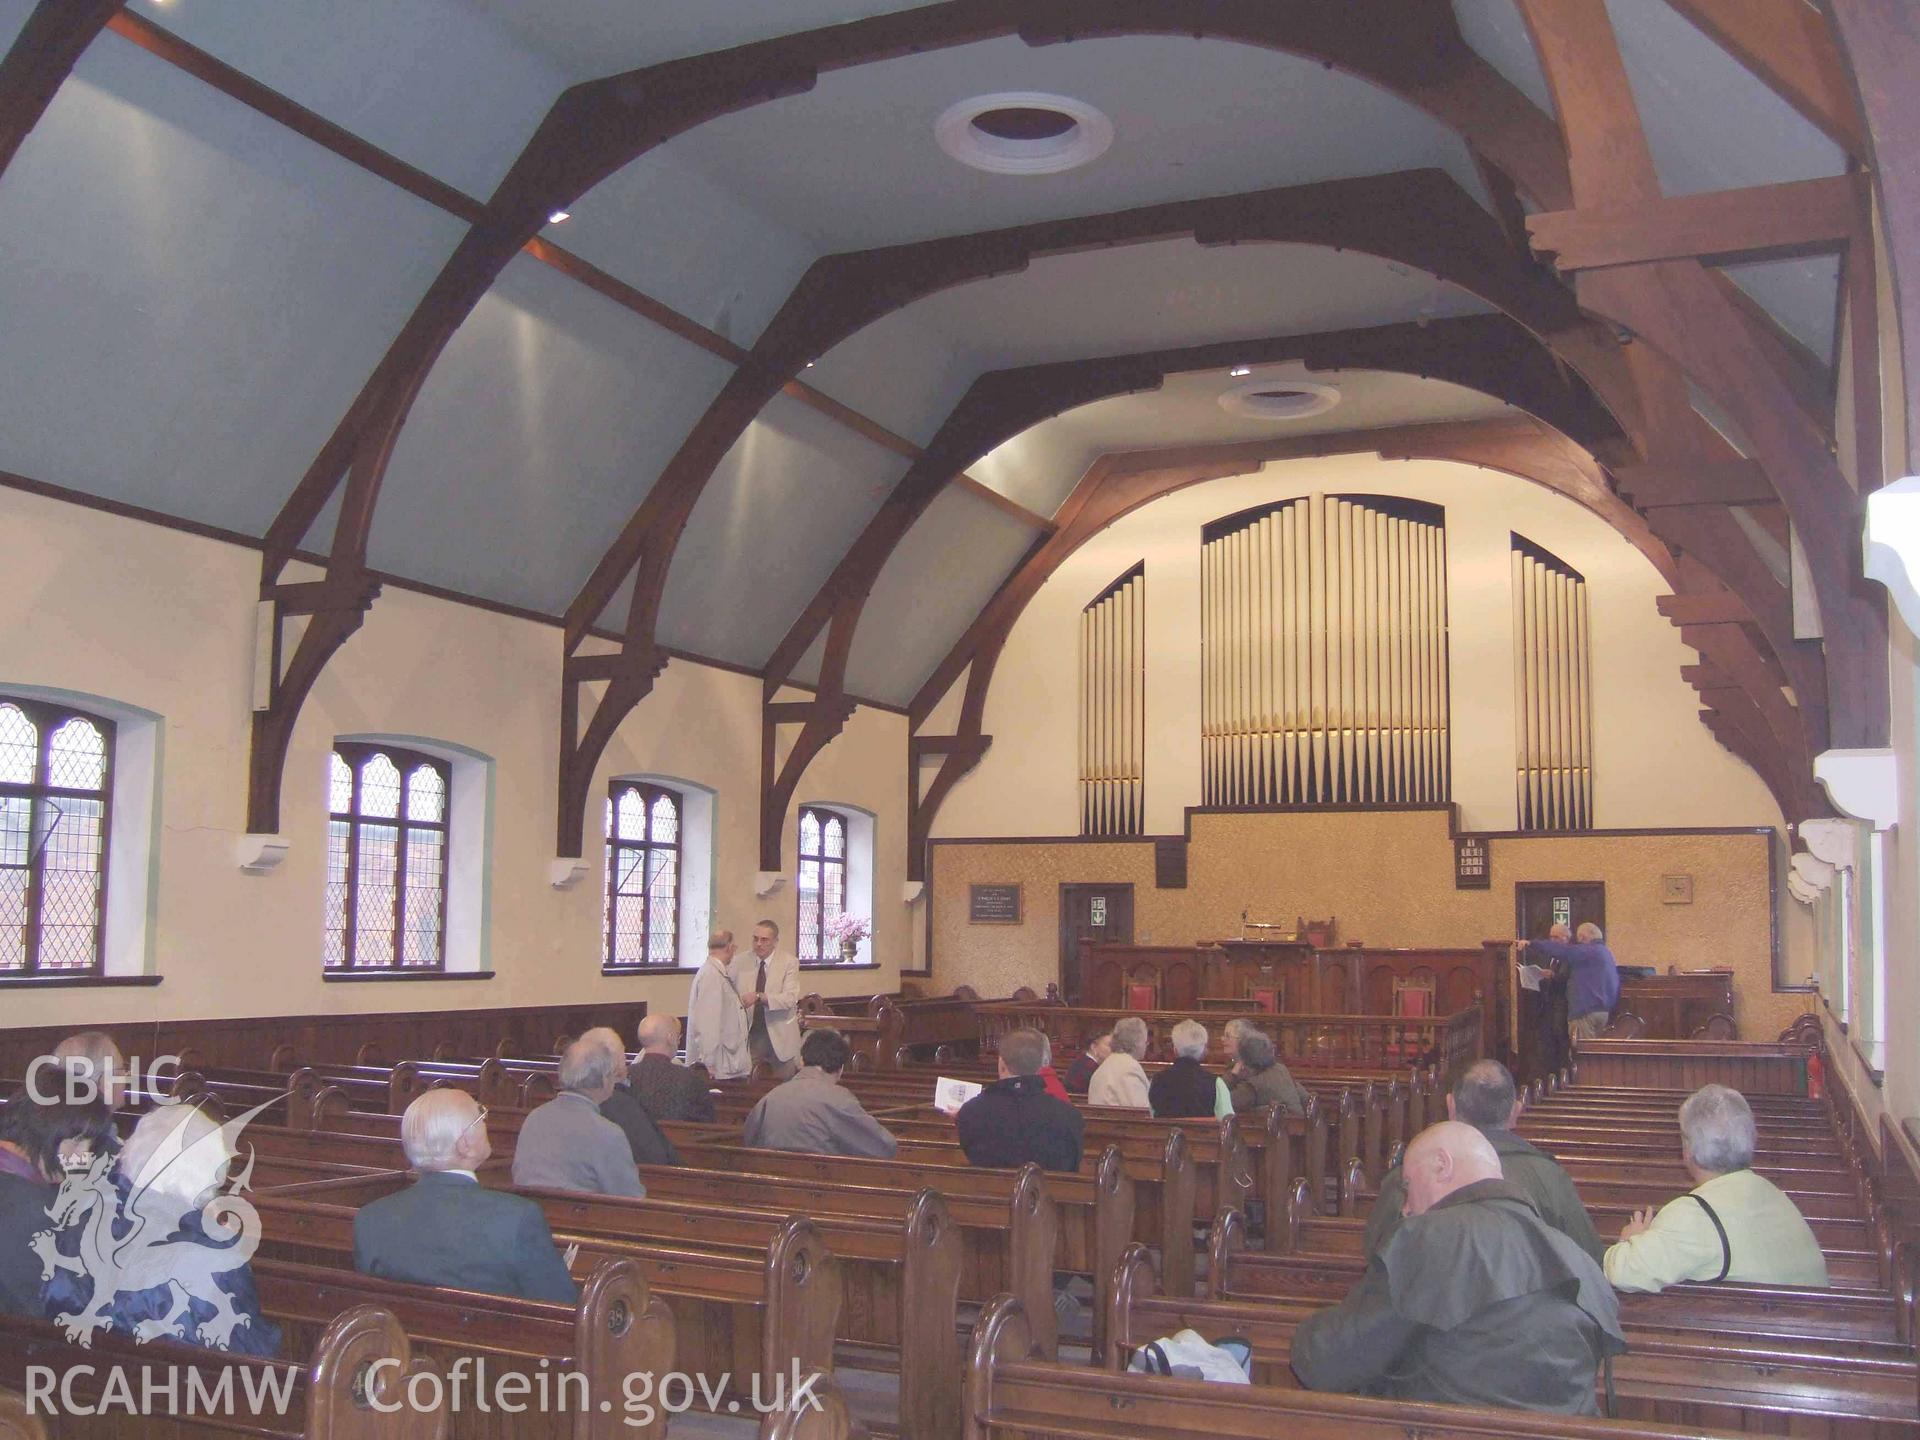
[[1279, 399], [1023, 132]]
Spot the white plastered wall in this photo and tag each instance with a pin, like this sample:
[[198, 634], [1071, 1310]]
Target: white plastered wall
[[163, 620]]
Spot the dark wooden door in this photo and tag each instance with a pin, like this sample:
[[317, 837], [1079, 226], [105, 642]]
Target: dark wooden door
[[1090, 912], [1539, 905]]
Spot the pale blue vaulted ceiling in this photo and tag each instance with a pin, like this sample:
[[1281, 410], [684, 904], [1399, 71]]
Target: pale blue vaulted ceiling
[[194, 294]]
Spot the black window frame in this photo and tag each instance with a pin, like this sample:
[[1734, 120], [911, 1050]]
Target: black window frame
[[48, 717], [649, 792], [822, 815], [355, 754]]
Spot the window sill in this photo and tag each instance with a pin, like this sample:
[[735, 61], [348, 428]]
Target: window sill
[[1873, 1059], [642, 971], [839, 965], [73, 982], [349, 977]]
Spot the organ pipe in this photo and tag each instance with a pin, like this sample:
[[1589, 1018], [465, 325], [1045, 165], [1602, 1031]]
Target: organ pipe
[[1552, 658], [1324, 664], [1113, 709]]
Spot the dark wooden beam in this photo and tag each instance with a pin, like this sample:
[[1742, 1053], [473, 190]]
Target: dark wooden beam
[[1762, 222], [1686, 323], [38, 62], [1721, 609], [1790, 47], [1704, 482], [1881, 42]]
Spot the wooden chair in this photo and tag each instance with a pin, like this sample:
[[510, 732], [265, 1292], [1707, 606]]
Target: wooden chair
[[1143, 995], [1413, 996], [1717, 1027], [1265, 998], [1318, 933], [1025, 992], [1626, 1026]]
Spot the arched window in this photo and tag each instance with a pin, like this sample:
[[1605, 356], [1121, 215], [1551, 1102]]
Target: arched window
[[643, 875], [55, 786], [386, 859], [822, 880]]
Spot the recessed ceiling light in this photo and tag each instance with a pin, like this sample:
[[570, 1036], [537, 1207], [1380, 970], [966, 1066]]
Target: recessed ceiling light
[[1279, 399], [1239, 370], [557, 216], [1023, 132]]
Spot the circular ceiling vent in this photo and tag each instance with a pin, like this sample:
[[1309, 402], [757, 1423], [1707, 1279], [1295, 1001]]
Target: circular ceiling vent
[[1023, 133], [1279, 399]]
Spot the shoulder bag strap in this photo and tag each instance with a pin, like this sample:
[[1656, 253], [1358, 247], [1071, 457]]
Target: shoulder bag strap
[[1726, 1250]]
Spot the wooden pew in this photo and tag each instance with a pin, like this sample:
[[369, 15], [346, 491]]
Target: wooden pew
[[738, 1311], [1681, 1372], [617, 1330], [1236, 1272], [1011, 1396], [336, 1394]]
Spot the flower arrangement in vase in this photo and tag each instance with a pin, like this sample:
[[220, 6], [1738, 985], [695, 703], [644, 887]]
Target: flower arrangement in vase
[[848, 931]]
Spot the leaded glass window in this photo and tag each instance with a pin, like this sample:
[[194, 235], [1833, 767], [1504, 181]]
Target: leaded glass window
[[642, 921], [56, 781], [822, 881], [386, 905]]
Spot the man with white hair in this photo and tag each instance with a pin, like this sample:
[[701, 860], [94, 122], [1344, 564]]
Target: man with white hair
[[172, 1165], [1121, 1080], [1733, 1225], [1187, 1089], [669, 1090], [645, 1139], [446, 1228], [92, 1056], [567, 1144], [716, 1020], [1474, 1301], [1591, 973]]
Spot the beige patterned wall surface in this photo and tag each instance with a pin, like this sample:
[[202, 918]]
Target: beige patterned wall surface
[[1388, 877]]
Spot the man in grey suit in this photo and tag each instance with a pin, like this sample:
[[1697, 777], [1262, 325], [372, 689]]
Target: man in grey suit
[[446, 1228], [567, 1144]]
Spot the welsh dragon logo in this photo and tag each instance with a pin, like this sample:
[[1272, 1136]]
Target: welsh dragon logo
[[149, 1255]]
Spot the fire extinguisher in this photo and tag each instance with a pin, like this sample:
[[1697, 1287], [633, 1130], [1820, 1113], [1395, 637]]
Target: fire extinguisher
[[1816, 1076]]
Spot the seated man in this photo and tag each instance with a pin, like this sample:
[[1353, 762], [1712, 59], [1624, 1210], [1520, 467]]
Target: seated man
[[167, 1193], [1080, 1073], [1121, 1080], [813, 1112], [669, 1090], [1733, 1225], [1186, 1089], [1484, 1097], [1014, 1120], [1258, 1078], [446, 1228], [1475, 1301], [92, 1062], [567, 1144], [623, 1107]]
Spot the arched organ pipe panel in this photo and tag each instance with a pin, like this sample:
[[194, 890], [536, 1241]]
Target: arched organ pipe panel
[[1113, 708], [1324, 654], [1553, 692]]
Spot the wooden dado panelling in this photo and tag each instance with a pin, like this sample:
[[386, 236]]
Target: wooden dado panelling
[[339, 1039], [1752, 1068]]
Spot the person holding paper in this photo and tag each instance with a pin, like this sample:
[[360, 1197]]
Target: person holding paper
[[1014, 1120]]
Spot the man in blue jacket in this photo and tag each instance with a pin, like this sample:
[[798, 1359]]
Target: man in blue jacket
[[1593, 978]]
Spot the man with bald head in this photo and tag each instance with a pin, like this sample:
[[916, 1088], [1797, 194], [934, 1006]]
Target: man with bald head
[[1485, 1098], [448, 1229], [1474, 1301], [669, 1090]]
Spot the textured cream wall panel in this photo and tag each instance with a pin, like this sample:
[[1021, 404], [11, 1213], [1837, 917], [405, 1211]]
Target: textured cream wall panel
[[1388, 876], [163, 620]]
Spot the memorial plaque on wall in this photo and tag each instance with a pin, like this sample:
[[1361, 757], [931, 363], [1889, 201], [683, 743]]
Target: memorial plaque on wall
[[993, 904], [1471, 870]]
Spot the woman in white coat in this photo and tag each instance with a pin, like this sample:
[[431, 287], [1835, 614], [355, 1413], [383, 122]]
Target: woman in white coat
[[716, 1021]]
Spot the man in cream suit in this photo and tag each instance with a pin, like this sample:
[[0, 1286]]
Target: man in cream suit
[[769, 986], [716, 1024]]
